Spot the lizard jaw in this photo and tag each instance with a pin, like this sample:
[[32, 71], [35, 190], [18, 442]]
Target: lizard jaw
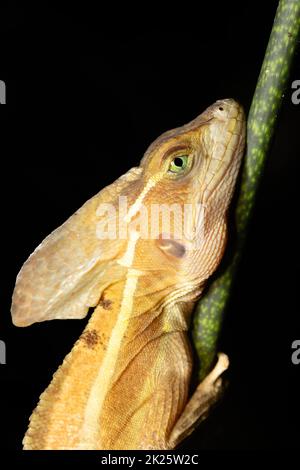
[[224, 138]]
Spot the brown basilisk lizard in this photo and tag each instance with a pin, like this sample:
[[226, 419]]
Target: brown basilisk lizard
[[125, 384]]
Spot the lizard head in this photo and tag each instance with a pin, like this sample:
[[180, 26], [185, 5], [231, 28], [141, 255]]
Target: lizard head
[[194, 168]]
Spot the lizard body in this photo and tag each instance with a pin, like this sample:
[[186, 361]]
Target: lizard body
[[125, 384]]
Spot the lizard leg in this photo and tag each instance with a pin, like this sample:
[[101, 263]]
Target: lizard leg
[[207, 394]]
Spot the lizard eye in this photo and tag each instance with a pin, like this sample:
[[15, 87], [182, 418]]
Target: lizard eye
[[178, 164]]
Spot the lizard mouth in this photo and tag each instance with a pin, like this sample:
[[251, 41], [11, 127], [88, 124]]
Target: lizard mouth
[[225, 139]]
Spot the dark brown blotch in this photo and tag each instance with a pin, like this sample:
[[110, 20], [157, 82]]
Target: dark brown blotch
[[90, 338], [105, 303]]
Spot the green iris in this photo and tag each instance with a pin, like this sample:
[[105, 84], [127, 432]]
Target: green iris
[[178, 164]]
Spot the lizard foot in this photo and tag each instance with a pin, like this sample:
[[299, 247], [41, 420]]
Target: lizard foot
[[206, 395]]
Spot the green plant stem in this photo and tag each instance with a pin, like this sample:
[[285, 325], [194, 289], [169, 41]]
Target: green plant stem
[[260, 129]]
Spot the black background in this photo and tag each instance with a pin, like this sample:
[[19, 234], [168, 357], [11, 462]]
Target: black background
[[87, 91]]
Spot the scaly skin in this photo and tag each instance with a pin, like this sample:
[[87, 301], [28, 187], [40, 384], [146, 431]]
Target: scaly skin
[[125, 384]]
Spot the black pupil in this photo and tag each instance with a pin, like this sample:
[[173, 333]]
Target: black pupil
[[178, 161]]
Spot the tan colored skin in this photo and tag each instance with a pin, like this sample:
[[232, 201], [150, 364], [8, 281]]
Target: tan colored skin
[[125, 384]]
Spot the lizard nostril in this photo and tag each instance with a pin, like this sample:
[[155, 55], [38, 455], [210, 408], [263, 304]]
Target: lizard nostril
[[221, 108]]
